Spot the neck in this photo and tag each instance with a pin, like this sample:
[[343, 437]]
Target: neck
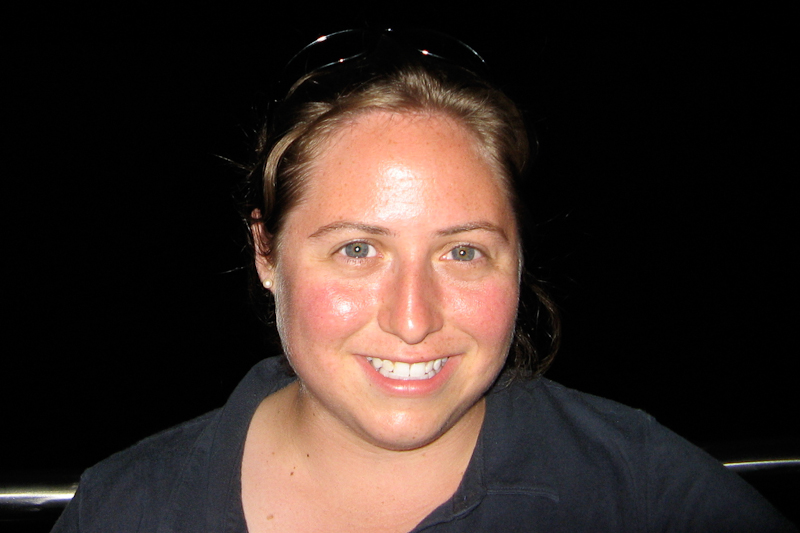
[[327, 448]]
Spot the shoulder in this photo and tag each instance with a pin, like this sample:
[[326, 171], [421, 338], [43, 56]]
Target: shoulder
[[550, 409], [156, 458], [565, 436], [598, 456], [128, 490], [186, 476]]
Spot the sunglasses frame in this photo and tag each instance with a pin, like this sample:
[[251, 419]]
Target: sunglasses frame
[[363, 49]]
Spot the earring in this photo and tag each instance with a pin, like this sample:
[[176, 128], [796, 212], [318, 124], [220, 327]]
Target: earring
[[267, 284]]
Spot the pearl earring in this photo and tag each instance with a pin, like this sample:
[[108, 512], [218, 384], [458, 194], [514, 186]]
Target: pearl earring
[[267, 284]]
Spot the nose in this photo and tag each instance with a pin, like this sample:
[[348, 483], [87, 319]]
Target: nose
[[411, 304]]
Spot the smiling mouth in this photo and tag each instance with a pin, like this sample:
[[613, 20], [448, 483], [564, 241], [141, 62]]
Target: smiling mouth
[[406, 371]]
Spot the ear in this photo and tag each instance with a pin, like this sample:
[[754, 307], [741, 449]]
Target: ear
[[262, 241]]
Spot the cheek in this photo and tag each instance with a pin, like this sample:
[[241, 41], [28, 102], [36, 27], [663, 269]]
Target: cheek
[[489, 311], [311, 310]]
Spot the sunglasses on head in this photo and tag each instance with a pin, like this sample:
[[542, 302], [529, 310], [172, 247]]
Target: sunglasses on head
[[362, 51]]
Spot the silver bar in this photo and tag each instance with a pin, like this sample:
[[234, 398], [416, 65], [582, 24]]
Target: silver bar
[[768, 464], [33, 497]]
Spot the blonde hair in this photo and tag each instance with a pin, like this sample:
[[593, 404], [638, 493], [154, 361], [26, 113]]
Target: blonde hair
[[286, 156]]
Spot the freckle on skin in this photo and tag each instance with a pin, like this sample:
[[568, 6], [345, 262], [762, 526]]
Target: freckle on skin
[[270, 516]]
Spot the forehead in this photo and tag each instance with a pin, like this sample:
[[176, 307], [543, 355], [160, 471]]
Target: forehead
[[399, 166]]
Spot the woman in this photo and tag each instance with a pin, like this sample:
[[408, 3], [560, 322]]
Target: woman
[[386, 227]]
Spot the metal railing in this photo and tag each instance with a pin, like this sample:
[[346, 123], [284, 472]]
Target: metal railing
[[20, 499], [761, 465]]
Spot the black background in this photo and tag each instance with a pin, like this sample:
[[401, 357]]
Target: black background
[[663, 197]]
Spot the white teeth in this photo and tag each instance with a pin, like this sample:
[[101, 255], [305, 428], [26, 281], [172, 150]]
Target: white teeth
[[417, 370], [401, 369], [405, 371]]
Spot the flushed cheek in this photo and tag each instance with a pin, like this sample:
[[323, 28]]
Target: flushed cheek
[[326, 309], [489, 310]]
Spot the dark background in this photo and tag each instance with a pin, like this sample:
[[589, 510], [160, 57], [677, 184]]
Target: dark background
[[663, 195]]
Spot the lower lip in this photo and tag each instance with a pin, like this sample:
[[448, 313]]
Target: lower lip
[[410, 387]]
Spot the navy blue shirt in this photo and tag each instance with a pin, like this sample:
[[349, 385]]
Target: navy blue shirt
[[548, 459]]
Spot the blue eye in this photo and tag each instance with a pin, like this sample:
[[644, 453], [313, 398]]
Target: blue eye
[[463, 253], [358, 250]]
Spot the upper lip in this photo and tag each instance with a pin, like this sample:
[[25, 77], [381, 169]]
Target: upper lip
[[410, 361]]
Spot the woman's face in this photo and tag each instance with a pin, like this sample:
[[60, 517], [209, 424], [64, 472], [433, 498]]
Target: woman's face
[[396, 280]]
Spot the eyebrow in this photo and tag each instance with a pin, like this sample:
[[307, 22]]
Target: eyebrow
[[377, 230], [474, 226], [338, 226]]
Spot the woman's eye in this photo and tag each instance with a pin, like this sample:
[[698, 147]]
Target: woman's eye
[[358, 250], [463, 253]]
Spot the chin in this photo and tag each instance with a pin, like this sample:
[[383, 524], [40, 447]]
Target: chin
[[406, 433], [405, 443]]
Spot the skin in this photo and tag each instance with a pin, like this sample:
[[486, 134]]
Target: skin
[[403, 247]]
